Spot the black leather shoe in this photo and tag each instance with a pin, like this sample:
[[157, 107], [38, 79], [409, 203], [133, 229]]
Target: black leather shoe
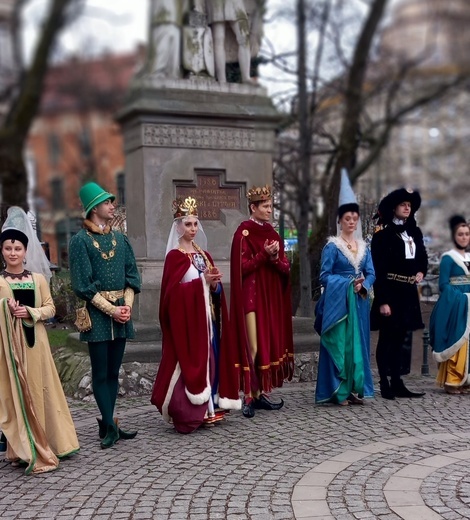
[[263, 403], [399, 390], [354, 399], [111, 437], [248, 409], [385, 391]]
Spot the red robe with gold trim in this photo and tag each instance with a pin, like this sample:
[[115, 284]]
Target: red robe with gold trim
[[257, 283], [182, 388]]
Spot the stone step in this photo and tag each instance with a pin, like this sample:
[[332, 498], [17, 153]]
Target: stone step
[[152, 331], [151, 351]]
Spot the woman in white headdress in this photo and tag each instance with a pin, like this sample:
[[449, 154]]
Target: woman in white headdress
[[342, 313], [34, 414], [194, 384]]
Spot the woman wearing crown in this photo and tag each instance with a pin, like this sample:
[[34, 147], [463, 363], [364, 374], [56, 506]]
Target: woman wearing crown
[[194, 383], [260, 309]]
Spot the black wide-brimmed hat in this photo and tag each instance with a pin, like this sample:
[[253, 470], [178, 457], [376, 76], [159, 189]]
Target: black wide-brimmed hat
[[385, 211], [14, 234]]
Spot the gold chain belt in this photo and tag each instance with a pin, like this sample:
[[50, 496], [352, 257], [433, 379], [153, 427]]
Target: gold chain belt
[[463, 279], [112, 296], [401, 278]]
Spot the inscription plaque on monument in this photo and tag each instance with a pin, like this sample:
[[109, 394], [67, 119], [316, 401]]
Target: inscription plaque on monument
[[211, 194]]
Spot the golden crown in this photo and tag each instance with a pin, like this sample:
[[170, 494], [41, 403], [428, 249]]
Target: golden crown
[[259, 193], [184, 208]]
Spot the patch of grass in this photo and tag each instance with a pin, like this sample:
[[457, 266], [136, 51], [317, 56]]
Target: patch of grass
[[57, 337]]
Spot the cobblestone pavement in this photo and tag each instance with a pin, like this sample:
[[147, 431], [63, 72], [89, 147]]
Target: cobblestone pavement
[[387, 459]]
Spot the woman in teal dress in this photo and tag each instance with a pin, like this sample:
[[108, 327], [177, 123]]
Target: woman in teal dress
[[449, 324]]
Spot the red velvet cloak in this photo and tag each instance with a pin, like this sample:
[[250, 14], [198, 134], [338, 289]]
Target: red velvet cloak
[[182, 387], [250, 262]]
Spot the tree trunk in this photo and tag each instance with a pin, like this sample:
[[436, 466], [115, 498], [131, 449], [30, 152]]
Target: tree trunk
[[348, 143], [305, 170], [23, 110]]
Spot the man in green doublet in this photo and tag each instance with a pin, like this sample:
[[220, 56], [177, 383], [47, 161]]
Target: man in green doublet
[[104, 274]]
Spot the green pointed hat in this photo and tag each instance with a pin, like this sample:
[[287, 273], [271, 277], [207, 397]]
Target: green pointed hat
[[91, 195]]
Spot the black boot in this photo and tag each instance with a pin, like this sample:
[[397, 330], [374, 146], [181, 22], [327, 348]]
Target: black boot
[[125, 436], [3, 442], [248, 408], [385, 391], [400, 390], [122, 434], [111, 437], [263, 403]]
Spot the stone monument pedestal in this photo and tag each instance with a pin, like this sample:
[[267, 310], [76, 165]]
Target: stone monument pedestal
[[191, 137]]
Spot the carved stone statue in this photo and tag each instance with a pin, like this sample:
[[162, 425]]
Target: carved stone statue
[[198, 37], [166, 23], [221, 13]]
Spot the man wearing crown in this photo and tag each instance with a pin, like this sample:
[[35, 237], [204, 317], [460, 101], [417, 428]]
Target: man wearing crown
[[104, 274], [260, 308]]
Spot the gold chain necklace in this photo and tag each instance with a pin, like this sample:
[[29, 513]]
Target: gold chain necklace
[[348, 244], [110, 253], [198, 250]]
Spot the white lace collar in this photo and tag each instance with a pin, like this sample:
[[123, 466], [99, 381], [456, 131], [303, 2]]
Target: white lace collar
[[354, 260]]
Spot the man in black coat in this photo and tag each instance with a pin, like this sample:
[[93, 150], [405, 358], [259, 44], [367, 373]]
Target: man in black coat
[[400, 263]]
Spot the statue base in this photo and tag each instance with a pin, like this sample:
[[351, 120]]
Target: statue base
[[192, 136]]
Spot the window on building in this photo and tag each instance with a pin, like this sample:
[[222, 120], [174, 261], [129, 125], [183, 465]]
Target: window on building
[[121, 189], [57, 194], [53, 143]]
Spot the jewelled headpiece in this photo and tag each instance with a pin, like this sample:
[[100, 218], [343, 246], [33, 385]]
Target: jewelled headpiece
[[184, 208], [257, 194]]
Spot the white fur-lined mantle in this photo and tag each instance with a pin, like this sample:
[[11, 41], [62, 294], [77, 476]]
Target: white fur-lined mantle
[[458, 259], [354, 260]]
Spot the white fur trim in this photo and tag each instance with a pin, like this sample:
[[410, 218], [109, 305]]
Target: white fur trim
[[169, 393], [230, 404], [354, 260], [201, 398], [440, 357], [458, 259]]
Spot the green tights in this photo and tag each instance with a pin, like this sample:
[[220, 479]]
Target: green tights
[[106, 358]]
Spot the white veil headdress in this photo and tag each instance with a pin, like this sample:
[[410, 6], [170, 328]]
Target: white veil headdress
[[36, 259], [347, 196], [180, 207]]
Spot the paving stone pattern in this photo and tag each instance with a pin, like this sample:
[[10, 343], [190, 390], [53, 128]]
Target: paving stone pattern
[[388, 460]]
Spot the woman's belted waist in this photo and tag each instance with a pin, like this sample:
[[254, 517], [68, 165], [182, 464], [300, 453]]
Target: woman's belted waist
[[463, 279], [401, 278], [112, 296]]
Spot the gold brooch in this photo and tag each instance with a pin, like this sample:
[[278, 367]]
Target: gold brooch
[[245, 232]]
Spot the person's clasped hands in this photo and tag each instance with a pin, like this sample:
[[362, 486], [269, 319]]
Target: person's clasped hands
[[16, 309], [272, 248], [122, 314], [212, 277]]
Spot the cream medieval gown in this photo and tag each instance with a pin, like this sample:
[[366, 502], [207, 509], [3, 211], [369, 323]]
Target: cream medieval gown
[[34, 414]]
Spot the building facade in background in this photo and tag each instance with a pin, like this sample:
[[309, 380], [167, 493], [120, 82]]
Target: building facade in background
[[75, 139], [430, 150], [8, 68]]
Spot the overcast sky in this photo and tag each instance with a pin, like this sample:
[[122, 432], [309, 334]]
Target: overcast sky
[[120, 25]]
